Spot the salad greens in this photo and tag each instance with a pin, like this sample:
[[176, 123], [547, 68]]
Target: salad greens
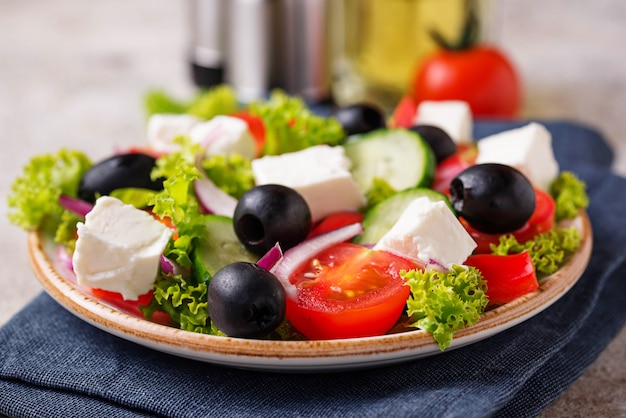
[[442, 303], [177, 200], [291, 126], [439, 303], [547, 250], [380, 190], [569, 195], [232, 173], [34, 199], [218, 100]]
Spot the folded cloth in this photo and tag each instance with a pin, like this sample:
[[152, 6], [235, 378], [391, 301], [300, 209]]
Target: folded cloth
[[54, 364]]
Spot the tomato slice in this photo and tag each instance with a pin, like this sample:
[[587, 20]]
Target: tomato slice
[[508, 276], [451, 166], [348, 291], [335, 221], [131, 307], [540, 221], [256, 128], [404, 113]]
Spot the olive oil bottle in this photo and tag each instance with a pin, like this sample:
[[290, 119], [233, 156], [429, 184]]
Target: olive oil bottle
[[379, 43]]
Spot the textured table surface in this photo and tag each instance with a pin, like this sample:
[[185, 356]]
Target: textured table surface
[[73, 74]]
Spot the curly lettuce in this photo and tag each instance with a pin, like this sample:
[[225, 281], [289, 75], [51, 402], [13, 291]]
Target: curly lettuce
[[548, 250], [441, 303], [379, 191], [177, 200], [218, 100], [184, 301], [570, 196], [34, 199], [232, 173], [291, 126]]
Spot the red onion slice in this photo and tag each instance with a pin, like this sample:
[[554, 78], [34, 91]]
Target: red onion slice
[[297, 255], [271, 259], [74, 205], [213, 199]]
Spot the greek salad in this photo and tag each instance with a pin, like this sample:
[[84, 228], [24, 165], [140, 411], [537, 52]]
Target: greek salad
[[272, 221]]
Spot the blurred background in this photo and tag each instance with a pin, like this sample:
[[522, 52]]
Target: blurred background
[[74, 73]]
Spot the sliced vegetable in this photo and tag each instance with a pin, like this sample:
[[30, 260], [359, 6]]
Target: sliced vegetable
[[132, 307], [256, 128], [297, 255], [451, 167], [508, 276], [219, 249], [348, 291], [335, 221], [403, 115], [212, 199], [399, 156]]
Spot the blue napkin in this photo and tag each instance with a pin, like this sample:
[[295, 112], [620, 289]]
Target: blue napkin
[[53, 364]]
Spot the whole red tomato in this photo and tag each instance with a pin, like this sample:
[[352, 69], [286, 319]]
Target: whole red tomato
[[464, 69], [481, 75]]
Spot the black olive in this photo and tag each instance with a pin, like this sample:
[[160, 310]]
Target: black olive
[[493, 198], [269, 214], [246, 300], [360, 118], [119, 171], [442, 145]]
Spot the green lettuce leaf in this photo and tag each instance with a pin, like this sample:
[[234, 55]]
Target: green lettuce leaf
[[218, 100], [231, 173], [570, 196], [185, 302], [380, 190], [177, 200], [35, 194], [442, 303], [548, 251], [290, 126]]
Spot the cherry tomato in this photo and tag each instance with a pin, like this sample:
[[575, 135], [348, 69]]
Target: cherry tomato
[[541, 220], [256, 128], [508, 276], [404, 113], [451, 166], [131, 307], [336, 221], [481, 75], [348, 291]]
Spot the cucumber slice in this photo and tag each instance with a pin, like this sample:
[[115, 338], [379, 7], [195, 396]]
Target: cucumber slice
[[398, 156], [379, 219], [220, 249]]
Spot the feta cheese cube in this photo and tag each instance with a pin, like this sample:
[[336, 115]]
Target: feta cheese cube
[[428, 233], [529, 149], [453, 116], [321, 174], [163, 128], [224, 135], [119, 248]]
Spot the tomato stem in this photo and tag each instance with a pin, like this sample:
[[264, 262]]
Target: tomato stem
[[469, 33]]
